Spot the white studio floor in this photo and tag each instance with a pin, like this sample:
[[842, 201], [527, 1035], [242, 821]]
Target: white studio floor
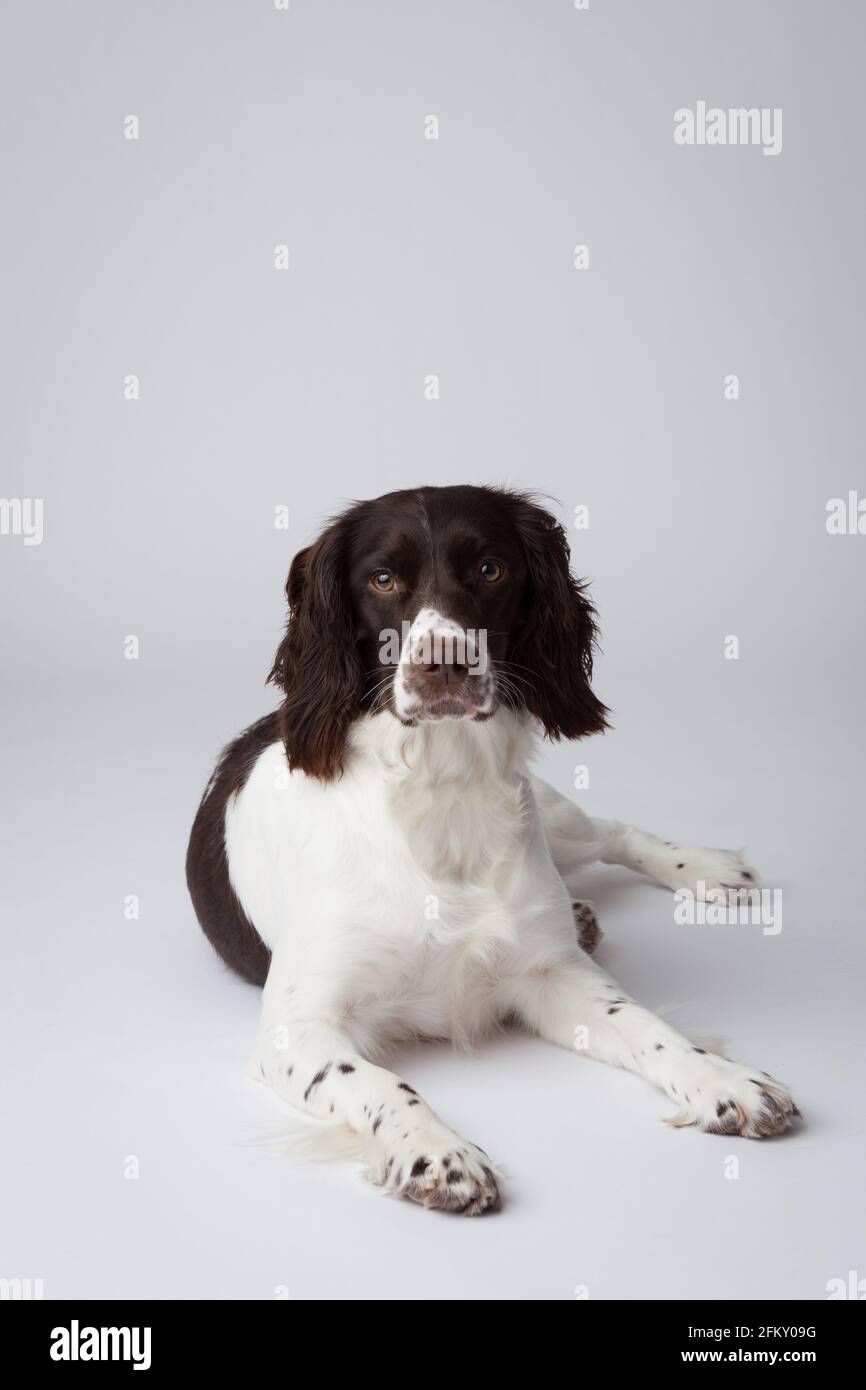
[[125, 1045], [131, 1154]]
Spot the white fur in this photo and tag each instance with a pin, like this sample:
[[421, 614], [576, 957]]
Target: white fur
[[427, 892]]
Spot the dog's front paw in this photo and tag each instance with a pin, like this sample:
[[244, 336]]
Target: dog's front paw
[[439, 1170], [722, 1097]]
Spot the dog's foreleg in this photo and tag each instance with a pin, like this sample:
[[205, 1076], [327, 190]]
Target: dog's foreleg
[[576, 1005], [313, 1064]]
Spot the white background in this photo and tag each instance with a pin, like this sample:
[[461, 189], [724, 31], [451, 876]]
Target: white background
[[305, 388]]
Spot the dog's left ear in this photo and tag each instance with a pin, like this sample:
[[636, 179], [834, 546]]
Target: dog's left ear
[[317, 664], [554, 647]]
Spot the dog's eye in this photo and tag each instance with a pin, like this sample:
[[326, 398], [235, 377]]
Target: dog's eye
[[382, 581], [491, 571]]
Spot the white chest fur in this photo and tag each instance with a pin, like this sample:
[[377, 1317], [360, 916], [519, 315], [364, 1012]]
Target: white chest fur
[[395, 893]]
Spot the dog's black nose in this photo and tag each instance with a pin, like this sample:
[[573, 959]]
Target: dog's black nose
[[445, 673]]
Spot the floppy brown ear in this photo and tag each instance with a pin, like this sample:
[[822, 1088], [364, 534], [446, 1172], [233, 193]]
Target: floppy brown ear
[[317, 664], [554, 648]]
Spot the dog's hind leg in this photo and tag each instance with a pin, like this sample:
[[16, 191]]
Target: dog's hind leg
[[703, 871], [576, 839], [589, 933]]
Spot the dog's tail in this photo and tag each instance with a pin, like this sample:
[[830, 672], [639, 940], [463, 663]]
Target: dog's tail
[[295, 1134], [316, 1141]]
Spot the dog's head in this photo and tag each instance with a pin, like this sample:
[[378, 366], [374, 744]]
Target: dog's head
[[433, 603]]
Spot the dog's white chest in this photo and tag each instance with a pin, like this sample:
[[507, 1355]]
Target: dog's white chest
[[396, 895], [435, 974]]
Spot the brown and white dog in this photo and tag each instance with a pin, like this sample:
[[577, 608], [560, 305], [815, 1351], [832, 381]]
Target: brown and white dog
[[378, 855]]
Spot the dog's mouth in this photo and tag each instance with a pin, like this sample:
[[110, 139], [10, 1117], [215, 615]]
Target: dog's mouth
[[473, 698], [449, 707]]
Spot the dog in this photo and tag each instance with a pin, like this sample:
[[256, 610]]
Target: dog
[[377, 854]]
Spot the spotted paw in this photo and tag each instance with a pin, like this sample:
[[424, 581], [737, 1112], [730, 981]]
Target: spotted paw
[[441, 1171], [589, 933], [715, 874], [722, 1097]]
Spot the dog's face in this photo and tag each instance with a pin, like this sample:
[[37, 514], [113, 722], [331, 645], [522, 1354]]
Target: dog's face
[[437, 581], [429, 604]]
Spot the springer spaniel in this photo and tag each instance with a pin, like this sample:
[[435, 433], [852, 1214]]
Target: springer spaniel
[[378, 855]]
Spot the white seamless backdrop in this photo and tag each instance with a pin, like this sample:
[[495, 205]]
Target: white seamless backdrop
[[130, 1159]]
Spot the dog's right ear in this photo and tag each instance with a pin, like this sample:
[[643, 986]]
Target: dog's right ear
[[317, 664]]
